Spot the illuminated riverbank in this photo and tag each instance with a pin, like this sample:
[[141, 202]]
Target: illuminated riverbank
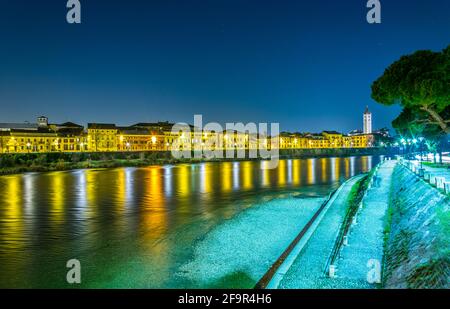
[[135, 227]]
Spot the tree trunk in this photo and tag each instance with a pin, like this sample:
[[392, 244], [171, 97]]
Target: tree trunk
[[437, 118]]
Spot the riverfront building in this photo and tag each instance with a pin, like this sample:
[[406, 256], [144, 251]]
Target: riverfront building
[[44, 137]]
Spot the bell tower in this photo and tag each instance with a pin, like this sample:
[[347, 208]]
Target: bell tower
[[42, 122], [367, 121]]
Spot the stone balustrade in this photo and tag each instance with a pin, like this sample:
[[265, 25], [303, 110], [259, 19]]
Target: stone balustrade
[[434, 180]]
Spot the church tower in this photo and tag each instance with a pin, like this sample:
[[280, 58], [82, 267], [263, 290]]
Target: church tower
[[42, 122], [367, 121]]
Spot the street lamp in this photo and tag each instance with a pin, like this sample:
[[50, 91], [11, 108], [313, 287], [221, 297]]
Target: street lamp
[[403, 145], [414, 142], [421, 139]]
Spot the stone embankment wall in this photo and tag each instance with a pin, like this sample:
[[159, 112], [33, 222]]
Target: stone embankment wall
[[417, 243]]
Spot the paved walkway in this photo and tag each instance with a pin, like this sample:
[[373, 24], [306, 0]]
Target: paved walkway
[[307, 270], [365, 241], [365, 249]]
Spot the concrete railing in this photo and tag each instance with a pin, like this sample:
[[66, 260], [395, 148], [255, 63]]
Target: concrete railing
[[433, 179], [447, 187]]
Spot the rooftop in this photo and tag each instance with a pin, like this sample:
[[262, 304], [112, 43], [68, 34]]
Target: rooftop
[[25, 125], [332, 132], [101, 126], [69, 124]]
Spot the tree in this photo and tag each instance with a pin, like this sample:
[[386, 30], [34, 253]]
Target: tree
[[420, 83], [408, 125]]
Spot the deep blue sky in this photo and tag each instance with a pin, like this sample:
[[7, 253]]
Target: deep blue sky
[[305, 64]]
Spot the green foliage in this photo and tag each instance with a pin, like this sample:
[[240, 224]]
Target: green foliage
[[444, 222], [409, 125], [60, 165], [234, 280], [415, 80], [388, 223], [6, 161], [438, 165], [420, 83], [431, 275]]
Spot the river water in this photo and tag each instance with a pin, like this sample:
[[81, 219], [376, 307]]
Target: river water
[[135, 227]]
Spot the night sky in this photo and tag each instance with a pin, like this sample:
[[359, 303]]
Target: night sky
[[306, 64]]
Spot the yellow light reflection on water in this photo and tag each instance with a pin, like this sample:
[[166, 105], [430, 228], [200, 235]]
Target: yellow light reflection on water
[[337, 168], [14, 211], [247, 173], [323, 164], [205, 178], [347, 167], [282, 173], [265, 171], [121, 188], [183, 180], [296, 166], [154, 195], [155, 222], [311, 171], [13, 236], [364, 164], [226, 169], [155, 216], [57, 190], [91, 197]]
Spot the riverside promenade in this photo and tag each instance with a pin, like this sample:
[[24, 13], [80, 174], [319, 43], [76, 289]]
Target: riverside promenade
[[365, 240], [364, 251], [307, 271]]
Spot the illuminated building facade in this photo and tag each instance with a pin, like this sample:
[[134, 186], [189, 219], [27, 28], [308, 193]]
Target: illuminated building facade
[[43, 137]]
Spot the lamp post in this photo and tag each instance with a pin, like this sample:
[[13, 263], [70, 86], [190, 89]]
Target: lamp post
[[414, 143], [421, 139], [403, 142]]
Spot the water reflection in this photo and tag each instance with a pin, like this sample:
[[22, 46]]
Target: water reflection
[[282, 173], [12, 213], [226, 179], [311, 170], [150, 217]]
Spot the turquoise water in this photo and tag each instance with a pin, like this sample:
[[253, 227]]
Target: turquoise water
[[149, 227]]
